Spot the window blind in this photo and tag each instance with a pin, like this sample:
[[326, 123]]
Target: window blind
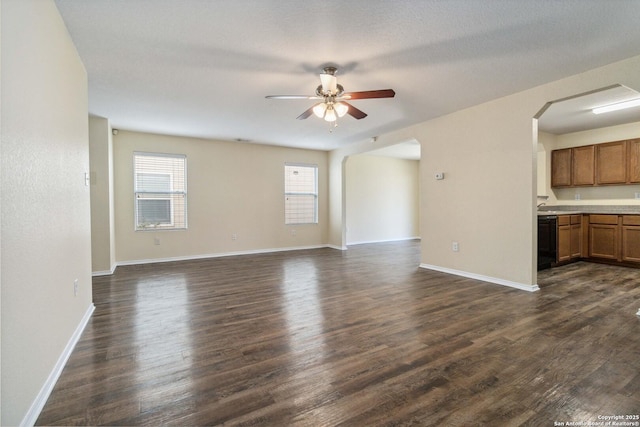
[[160, 188], [300, 194]]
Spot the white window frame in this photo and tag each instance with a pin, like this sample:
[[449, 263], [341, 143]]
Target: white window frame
[[314, 194], [167, 195]]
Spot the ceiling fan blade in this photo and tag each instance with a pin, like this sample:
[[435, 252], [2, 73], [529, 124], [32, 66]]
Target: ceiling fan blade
[[354, 112], [292, 97], [329, 83], [368, 94], [307, 113]]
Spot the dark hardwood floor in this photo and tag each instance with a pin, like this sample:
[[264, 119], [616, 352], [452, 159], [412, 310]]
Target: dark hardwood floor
[[357, 338]]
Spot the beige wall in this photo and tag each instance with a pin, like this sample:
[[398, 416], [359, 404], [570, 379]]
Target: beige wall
[[485, 201], [600, 195], [46, 241], [381, 199], [103, 253], [232, 189]]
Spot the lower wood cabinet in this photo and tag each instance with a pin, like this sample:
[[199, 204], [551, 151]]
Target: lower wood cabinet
[[614, 238], [631, 238], [607, 238], [569, 238], [603, 241]]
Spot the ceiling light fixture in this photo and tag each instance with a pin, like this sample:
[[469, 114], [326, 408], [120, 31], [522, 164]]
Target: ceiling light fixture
[[615, 107], [330, 110]]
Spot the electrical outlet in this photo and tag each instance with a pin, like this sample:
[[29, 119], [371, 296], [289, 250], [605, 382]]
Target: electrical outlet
[[637, 195], [156, 240], [293, 232], [455, 247], [577, 196], [75, 288], [234, 236]]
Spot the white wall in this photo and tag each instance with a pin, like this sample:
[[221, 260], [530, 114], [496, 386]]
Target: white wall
[[232, 189], [599, 195], [103, 252], [546, 142], [381, 199], [46, 232]]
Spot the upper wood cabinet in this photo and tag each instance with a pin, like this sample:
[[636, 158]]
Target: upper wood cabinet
[[633, 150], [583, 165], [561, 168], [611, 163]]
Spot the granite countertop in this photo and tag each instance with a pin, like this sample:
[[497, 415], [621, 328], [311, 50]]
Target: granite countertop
[[589, 209]]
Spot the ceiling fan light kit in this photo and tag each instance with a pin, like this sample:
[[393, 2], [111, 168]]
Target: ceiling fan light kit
[[333, 97]]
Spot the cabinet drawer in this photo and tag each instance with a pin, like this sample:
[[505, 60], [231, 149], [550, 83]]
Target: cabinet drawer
[[564, 219], [631, 220], [603, 219], [576, 219]]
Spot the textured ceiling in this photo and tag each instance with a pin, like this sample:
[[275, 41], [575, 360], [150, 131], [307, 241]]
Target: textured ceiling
[[203, 68]]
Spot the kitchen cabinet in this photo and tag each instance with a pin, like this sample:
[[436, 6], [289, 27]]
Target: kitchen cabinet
[[569, 238], [583, 165], [611, 163], [561, 168], [606, 238], [615, 238], [576, 237], [631, 238], [633, 150], [573, 166], [604, 241]]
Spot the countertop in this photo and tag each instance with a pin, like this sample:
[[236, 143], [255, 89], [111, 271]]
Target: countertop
[[589, 209]]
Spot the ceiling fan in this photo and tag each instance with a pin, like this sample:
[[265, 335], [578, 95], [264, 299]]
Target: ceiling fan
[[333, 98]]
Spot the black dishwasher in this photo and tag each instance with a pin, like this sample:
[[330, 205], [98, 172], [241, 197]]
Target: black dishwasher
[[546, 241]]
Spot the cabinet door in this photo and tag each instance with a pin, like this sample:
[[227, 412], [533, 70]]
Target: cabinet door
[[603, 241], [633, 147], [611, 163], [583, 165], [631, 243], [576, 236], [564, 243], [561, 168], [576, 241]]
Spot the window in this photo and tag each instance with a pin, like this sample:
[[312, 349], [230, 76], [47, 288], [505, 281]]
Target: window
[[300, 194], [160, 188]]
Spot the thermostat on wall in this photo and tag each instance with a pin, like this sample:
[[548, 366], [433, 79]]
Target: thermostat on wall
[[439, 175]]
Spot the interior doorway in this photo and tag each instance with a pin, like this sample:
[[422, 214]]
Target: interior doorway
[[382, 200], [570, 122]]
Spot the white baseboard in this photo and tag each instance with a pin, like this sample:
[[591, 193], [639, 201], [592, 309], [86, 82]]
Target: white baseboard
[[521, 286], [218, 255], [104, 272], [41, 399], [367, 242], [340, 248]]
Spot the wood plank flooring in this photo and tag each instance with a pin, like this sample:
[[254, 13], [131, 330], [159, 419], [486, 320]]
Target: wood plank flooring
[[357, 338]]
